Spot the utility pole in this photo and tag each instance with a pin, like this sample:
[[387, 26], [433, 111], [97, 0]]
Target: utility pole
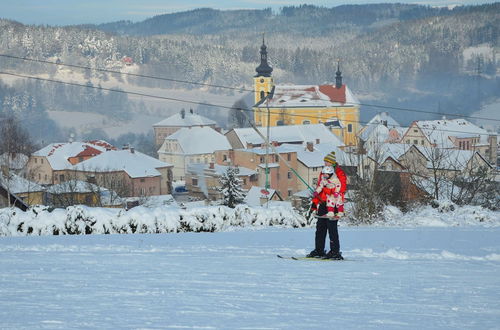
[[268, 96]]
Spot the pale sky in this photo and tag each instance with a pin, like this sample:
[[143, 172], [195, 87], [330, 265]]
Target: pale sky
[[64, 12]]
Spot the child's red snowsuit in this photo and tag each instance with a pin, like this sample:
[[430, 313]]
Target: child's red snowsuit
[[335, 205]]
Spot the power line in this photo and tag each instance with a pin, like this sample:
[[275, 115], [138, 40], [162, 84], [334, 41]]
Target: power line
[[184, 100], [232, 88]]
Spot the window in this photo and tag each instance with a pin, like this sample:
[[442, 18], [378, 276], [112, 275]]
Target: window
[[415, 141], [276, 158], [224, 158], [408, 141], [262, 95], [280, 123], [349, 128], [289, 192], [45, 177], [289, 175], [306, 122], [143, 180], [195, 182], [41, 160], [39, 176], [262, 160], [422, 142], [244, 181], [289, 157], [315, 181], [61, 178], [415, 131], [36, 160]]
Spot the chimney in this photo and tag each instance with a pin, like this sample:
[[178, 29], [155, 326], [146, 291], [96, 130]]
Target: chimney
[[132, 150], [317, 141], [183, 113], [310, 146]]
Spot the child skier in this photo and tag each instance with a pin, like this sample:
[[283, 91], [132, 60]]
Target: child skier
[[328, 204]]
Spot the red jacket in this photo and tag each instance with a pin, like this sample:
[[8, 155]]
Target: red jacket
[[327, 191]]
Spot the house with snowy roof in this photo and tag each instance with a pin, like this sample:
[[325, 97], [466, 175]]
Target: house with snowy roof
[[172, 124], [30, 192], [382, 128], [280, 177], [191, 145], [305, 104], [73, 192], [260, 196], [453, 134], [203, 180], [8, 198], [127, 172], [245, 138], [49, 164]]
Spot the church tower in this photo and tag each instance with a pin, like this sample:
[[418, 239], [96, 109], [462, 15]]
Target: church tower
[[263, 82]]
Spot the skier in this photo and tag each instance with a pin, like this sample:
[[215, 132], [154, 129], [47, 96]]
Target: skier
[[328, 206]]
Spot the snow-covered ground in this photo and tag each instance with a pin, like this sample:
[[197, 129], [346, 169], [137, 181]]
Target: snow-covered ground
[[418, 278], [434, 269]]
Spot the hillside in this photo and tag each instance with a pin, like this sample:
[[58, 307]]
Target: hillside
[[397, 55]]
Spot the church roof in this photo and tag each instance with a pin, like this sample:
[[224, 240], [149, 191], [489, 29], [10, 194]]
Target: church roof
[[303, 96]]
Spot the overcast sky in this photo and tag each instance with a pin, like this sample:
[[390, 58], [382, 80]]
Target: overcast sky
[[63, 12]]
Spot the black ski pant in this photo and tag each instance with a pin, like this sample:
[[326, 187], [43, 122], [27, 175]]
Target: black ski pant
[[322, 226]]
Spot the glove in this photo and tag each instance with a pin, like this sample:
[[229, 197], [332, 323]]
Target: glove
[[336, 194]]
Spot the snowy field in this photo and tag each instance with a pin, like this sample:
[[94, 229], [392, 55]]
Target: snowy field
[[393, 278]]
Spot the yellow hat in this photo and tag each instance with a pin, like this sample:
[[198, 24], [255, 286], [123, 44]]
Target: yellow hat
[[330, 158]]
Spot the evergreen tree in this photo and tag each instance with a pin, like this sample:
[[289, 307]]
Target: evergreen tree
[[232, 193]]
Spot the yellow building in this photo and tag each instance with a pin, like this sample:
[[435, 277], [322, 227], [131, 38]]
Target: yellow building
[[333, 105]]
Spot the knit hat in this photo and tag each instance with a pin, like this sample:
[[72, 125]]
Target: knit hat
[[330, 158]]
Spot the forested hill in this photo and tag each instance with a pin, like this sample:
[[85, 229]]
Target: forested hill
[[442, 60], [305, 20]]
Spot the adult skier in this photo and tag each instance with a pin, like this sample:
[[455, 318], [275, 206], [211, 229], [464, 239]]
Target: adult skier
[[328, 206]]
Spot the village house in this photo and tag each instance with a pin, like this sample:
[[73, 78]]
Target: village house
[[73, 192], [203, 180], [259, 196], [49, 164], [192, 145], [453, 134], [180, 120], [382, 128], [126, 172], [280, 177], [30, 192], [245, 138]]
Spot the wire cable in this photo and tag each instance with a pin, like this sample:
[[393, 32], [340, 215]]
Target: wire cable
[[234, 88], [185, 100]]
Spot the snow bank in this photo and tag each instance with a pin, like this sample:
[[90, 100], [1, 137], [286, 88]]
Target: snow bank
[[77, 220], [441, 214]]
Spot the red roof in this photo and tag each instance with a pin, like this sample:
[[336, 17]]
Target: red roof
[[335, 94], [88, 151]]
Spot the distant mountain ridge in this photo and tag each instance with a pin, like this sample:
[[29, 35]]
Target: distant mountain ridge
[[305, 19]]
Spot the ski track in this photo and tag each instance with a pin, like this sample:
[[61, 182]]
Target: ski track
[[421, 278]]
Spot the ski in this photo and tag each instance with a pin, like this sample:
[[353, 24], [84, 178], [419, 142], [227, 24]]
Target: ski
[[306, 258]]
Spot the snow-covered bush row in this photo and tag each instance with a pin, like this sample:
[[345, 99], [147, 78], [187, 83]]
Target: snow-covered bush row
[[86, 220], [440, 214]]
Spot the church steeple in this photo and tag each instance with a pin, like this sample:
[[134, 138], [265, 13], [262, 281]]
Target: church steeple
[[338, 76], [263, 70]]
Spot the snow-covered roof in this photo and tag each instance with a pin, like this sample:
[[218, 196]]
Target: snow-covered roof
[[303, 96], [135, 164], [315, 158], [17, 161], [385, 119], [17, 184], [383, 151], [189, 120], [448, 159], [255, 194], [199, 140], [59, 153], [73, 186], [288, 134], [439, 131]]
